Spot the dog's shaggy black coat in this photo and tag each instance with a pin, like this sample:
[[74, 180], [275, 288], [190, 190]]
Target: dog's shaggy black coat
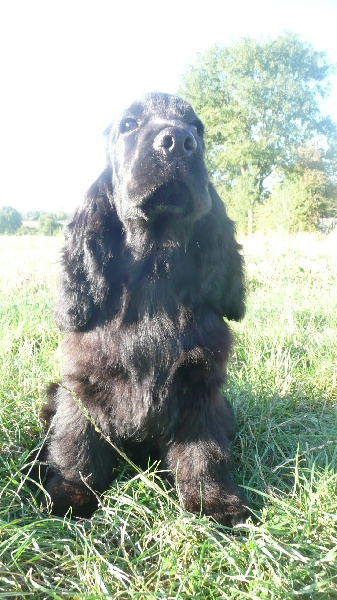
[[150, 268]]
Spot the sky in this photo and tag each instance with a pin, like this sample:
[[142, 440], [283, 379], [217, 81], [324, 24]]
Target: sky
[[68, 66]]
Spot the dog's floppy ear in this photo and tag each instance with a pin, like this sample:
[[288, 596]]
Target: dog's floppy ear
[[90, 242], [223, 261]]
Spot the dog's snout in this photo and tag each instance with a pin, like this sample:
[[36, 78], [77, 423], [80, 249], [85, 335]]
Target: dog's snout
[[175, 141]]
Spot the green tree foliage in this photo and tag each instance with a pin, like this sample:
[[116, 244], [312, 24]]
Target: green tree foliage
[[48, 224], [260, 102], [291, 208], [10, 220], [301, 196]]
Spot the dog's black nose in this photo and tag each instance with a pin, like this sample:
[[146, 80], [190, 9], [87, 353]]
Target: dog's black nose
[[175, 141]]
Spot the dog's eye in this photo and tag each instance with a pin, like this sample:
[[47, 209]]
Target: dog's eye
[[196, 124], [128, 124]]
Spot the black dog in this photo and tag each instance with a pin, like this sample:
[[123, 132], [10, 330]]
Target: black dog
[[150, 267]]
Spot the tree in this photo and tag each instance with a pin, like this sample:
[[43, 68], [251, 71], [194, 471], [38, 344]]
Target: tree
[[292, 207], [301, 197], [48, 224], [10, 220], [260, 101]]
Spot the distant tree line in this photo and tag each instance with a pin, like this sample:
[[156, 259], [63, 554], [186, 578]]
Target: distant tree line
[[33, 222], [271, 151]]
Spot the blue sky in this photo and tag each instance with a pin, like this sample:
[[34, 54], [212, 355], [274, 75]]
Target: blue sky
[[67, 66]]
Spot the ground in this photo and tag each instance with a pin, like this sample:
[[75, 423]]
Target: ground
[[140, 543]]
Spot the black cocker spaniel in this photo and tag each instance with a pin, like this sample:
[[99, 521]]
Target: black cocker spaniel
[[150, 268]]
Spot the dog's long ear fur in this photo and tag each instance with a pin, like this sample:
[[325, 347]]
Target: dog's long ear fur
[[223, 270], [91, 241]]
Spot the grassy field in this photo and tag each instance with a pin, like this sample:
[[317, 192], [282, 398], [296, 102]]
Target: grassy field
[[141, 544]]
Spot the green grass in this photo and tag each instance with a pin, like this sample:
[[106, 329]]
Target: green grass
[[141, 544]]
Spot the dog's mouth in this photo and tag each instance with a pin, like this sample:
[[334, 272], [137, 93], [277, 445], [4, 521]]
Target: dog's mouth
[[170, 198]]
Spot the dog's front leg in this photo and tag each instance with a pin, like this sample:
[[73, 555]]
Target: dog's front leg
[[201, 469]]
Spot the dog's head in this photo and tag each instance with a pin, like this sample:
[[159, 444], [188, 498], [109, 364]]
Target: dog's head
[[156, 153]]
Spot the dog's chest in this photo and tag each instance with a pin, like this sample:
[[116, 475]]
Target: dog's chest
[[150, 346], [158, 319]]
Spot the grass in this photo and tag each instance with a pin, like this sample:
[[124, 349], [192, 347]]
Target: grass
[[141, 544]]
